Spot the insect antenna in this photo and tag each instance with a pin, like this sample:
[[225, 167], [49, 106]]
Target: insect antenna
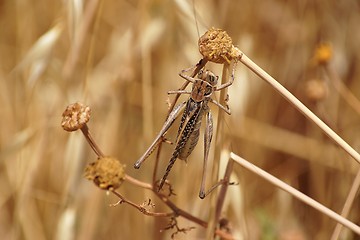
[[195, 17]]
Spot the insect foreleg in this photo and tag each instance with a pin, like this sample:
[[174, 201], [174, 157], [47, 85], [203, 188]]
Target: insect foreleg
[[169, 121], [227, 84], [183, 75]]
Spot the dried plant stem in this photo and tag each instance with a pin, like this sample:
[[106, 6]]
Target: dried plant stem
[[158, 153], [353, 102], [184, 214], [223, 235], [175, 210], [223, 189], [80, 37], [90, 56], [180, 212], [147, 93], [299, 105], [137, 182], [347, 206], [219, 145], [345, 93], [91, 141], [299, 195], [140, 208]]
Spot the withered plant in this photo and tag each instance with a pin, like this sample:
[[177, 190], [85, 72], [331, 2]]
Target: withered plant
[[121, 58]]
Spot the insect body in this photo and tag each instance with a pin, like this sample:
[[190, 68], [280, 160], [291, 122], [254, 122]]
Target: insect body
[[194, 110]]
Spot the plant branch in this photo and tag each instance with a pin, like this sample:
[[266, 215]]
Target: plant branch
[[345, 93], [141, 208], [137, 182], [85, 130], [223, 190], [219, 144], [180, 212], [299, 105], [347, 206], [297, 194]]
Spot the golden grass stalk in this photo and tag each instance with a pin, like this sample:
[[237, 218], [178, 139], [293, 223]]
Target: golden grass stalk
[[294, 192], [347, 206], [73, 56], [345, 93], [299, 105], [219, 145]]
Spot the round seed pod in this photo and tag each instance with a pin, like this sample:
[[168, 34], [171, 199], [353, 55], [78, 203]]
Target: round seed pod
[[316, 90], [107, 173], [323, 53], [216, 46], [75, 116]]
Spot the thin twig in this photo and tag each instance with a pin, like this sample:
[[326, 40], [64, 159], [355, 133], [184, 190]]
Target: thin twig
[[74, 54], [219, 144], [158, 153], [180, 212], [140, 208], [223, 190], [299, 105], [184, 214], [345, 93], [85, 130], [347, 206], [138, 183], [353, 102], [299, 195]]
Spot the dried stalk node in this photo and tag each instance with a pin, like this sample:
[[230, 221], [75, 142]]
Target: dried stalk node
[[106, 172]]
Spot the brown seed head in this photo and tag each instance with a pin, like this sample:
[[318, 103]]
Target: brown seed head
[[316, 90], [216, 46], [107, 173], [75, 116], [323, 53]]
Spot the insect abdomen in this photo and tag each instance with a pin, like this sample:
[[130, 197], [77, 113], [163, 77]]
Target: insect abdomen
[[192, 140]]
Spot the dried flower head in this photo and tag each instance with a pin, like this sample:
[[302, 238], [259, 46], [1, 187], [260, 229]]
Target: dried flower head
[[316, 90], [107, 173], [323, 53], [75, 116], [216, 46]]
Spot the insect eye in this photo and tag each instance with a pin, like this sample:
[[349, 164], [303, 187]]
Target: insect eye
[[200, 73], [212, 79]]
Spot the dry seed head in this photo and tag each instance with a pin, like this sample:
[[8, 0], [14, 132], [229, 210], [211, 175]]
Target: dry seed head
[[323, 53], [75, 116], [107, 173], [316, 90], [216, 46]]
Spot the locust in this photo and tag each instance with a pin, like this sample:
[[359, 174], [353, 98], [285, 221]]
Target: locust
[[194, 109]]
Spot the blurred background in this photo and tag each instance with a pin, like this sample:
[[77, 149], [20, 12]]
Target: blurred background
[[121, 58]]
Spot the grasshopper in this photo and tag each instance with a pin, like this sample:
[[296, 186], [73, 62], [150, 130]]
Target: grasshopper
[[204, 84]]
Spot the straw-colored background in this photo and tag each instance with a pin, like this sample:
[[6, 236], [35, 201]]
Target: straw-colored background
[[120, 58]]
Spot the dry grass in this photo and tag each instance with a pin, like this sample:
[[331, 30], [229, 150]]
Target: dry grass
[[120, 58]]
